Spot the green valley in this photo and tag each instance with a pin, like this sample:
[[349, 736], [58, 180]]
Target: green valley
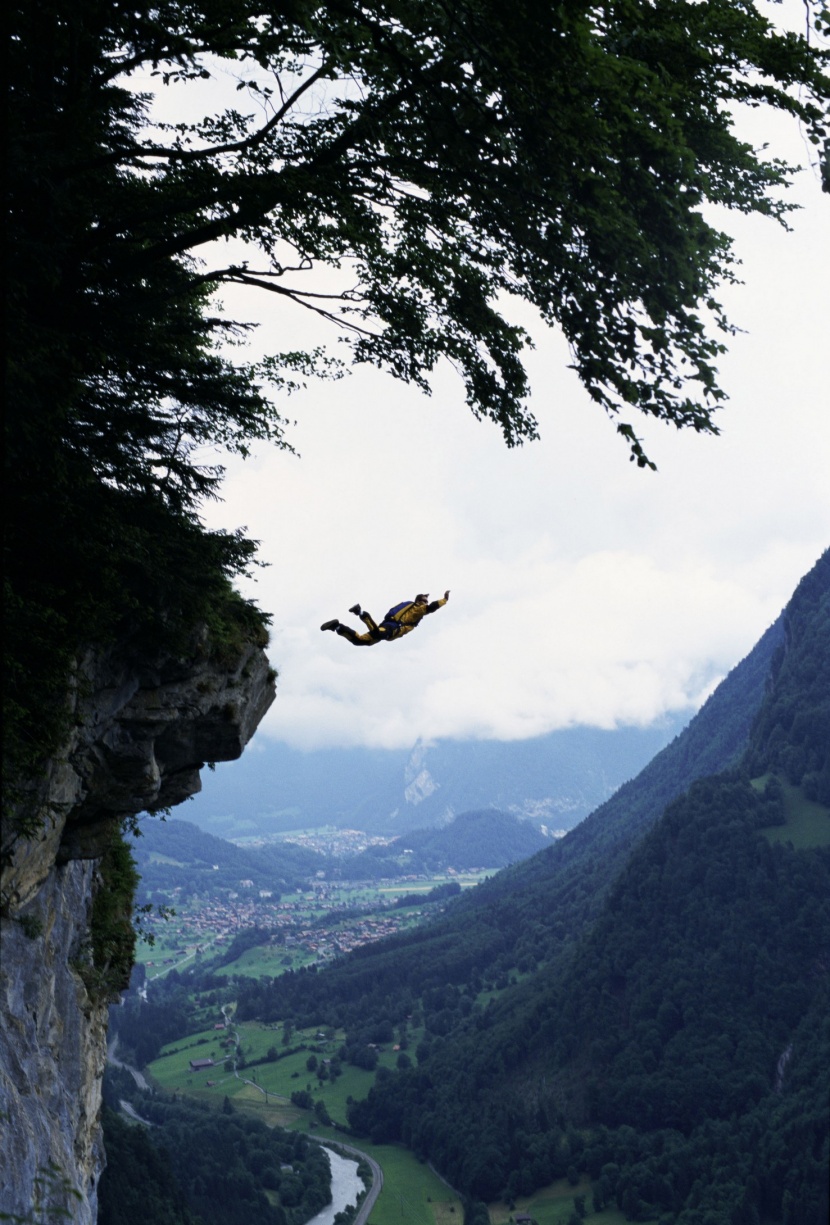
[[634, 1023]]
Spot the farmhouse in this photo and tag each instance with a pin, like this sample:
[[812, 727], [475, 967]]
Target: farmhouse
[[199, 1065]]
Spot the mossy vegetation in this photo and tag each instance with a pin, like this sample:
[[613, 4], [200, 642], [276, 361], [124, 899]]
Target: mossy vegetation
[[31, 925], [107, 961]]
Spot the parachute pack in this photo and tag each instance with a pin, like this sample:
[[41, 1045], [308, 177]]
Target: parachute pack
[[391, 621]]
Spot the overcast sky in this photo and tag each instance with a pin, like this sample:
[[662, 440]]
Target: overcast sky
[[584, 590]]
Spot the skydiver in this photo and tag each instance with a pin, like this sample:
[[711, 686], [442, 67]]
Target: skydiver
[[400, 620]]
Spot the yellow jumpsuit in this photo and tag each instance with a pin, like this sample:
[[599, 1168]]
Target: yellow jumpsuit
[[405, 621]]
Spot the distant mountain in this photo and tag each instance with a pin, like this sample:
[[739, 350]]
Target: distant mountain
[[553, 780], [670, 1031], [484, 839], [177, 854]]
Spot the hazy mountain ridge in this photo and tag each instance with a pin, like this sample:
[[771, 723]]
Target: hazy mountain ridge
[[555, 779], [177, 854], [483, 839]]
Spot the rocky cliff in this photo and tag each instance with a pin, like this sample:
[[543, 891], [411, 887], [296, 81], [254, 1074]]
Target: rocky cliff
[[141, 731]]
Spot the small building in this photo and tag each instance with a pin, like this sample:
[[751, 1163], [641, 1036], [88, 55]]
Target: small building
[[199, 1065]]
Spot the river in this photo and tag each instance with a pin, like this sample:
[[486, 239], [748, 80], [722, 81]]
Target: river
[[346, 1186]]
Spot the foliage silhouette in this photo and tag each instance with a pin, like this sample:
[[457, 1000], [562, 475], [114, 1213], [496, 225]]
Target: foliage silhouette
[[440, 157]]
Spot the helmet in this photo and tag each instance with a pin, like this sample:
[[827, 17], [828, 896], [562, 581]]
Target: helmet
[[423, 598]]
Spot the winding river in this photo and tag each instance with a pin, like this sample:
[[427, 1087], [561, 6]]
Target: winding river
[[346, 1186]]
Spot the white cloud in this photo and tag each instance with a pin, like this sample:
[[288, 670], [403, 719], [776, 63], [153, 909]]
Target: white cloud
[[583, 589]]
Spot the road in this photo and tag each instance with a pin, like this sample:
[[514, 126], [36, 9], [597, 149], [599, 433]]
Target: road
[[203, 950], [128, 1109], [112, 1058]]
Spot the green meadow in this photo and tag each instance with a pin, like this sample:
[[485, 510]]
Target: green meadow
[[412, 1193], [808, 823], [554, 1205], [278, 1079], [269, 959]]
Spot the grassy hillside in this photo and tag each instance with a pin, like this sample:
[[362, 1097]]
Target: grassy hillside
[[803, 822]]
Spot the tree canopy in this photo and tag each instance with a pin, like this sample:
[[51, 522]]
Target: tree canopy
[[439, 158], [441, 154]]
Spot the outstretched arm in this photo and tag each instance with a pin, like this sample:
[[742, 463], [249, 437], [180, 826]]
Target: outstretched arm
[[436, 604]]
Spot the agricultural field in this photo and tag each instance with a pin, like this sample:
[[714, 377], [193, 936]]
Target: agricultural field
[[274, 1080]]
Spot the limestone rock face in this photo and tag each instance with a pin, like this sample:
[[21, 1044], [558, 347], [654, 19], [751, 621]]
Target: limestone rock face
[[52, 1054], [142, 731]]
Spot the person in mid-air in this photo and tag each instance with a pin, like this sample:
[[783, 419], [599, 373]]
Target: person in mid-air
[[398, 621]]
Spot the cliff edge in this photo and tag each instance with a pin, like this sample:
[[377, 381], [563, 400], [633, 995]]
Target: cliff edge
[[141, 731]]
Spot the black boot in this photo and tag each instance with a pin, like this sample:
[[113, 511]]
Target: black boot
[[356, 609], [329, 625]]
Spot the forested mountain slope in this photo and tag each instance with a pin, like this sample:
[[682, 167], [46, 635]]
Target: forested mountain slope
[[177, 854], [689, 1030], [793, 727]]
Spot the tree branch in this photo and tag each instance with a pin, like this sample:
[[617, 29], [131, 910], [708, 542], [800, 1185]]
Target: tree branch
[[239, 146]]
